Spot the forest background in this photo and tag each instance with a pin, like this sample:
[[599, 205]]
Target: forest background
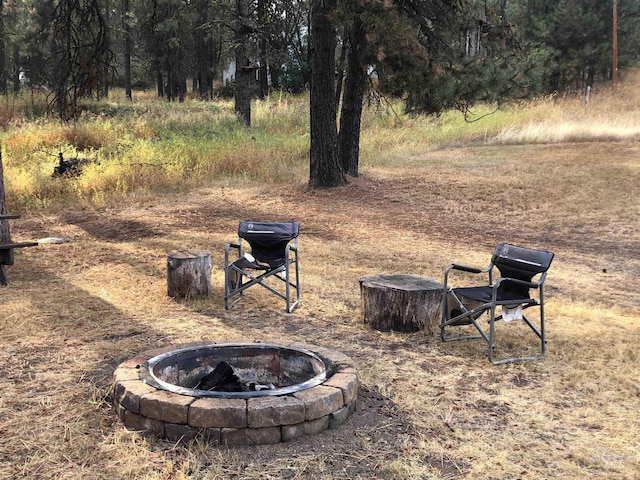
[[74, 48], [434, 55]]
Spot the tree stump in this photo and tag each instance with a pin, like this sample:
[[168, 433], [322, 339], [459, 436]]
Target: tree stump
[[403, 303], [189, 273]]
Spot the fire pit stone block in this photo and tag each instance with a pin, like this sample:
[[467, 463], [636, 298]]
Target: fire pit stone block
[[218, 412], [174, 432], [320, 401], [129, 393], [138, 422], [316, 426], [291, 432], [274, 411], [211, 435], [126, 373], [347, 382], [250, 436], [167, 406], [338, 417]]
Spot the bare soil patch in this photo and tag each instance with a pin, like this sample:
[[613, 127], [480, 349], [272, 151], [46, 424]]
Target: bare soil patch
[[74, 311]]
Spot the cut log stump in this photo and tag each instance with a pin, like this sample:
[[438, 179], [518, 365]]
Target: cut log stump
[[403, 303], [189, 273]]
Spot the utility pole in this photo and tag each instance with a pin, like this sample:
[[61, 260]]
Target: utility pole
[[614, 72]]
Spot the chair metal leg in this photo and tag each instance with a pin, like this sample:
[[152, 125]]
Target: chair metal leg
[[538, 332], [470, 315], [296, 287], [492, 333], [473, 316], [259, 280], [236, 290], [4, 278]]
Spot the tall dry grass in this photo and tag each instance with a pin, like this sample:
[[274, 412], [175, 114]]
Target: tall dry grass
[[599, 115], [142, 147]]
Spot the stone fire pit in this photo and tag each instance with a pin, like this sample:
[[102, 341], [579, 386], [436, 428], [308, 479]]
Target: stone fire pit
[[310, 389]]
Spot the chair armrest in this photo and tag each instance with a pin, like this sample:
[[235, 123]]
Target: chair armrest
[[531, 284], [455, 266], [464, 268], [517, 282], [229, 246]]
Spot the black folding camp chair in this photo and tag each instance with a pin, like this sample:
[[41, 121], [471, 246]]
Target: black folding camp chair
[[273, 257], [514, 292]]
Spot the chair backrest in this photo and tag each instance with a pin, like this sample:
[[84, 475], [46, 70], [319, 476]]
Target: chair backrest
[[521, 263], [268, 240]]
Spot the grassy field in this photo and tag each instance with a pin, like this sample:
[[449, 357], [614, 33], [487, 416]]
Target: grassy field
[[432, 191]]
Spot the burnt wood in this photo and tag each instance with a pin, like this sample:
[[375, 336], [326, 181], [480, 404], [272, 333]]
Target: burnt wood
[[221, 379]]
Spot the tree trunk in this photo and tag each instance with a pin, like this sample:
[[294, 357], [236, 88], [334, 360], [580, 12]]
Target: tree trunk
[[243, 71], [126, 28], [188, 273], [403, 303], [106, 55], [16, 68], [182, 87], [351, 113], [264, 76], [325, 169], [264, 81], [343, 57], [5, 234], [65, 60], [3, 64], [170, 88], [203, 52], [159, 82]]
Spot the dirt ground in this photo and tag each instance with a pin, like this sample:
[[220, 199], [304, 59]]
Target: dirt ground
[[74, 311]]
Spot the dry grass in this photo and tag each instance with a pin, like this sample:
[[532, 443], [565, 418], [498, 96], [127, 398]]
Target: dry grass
[[427, 409], [551, 174], [602, 116]]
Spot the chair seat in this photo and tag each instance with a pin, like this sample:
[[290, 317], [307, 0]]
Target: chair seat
[[243, 263], [484, 294]]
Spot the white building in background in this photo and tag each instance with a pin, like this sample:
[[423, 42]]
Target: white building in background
[[229, 73]]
